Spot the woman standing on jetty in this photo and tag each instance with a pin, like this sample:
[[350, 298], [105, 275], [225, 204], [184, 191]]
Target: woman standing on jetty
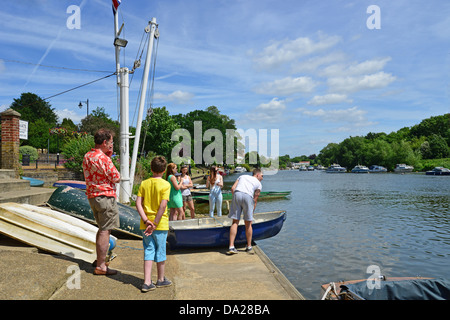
[[175, 203], [185, 192], [215, 183]]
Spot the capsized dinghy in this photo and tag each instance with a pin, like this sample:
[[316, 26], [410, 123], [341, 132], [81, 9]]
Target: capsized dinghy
[[402, 288], [50, 230], [74, 202]]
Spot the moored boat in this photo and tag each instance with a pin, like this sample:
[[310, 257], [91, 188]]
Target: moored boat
[[50, 230], [227, 195], [336, 168], [377, 169], [215, 232], [240, 169], [438, 171], [360, 169], [403, 168], [401, 288]]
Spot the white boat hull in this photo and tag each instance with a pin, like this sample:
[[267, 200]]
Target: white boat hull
[[49, 230]]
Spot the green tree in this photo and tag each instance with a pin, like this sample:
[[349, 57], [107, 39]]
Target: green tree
[[98, 119], [32, 107], [438, 147], [157, 132], [74, 152]]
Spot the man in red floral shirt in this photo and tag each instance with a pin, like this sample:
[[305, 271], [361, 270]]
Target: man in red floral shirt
[[101, 177]]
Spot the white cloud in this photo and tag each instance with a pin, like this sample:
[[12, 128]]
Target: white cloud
[[271, 112], [329, 99], [282, 52], [358, 83], [288, 86], [178, 97], [353, 115], [354, 68], [67, 113]]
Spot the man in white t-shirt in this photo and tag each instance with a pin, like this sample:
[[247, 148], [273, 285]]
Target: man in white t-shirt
[[245, 191]]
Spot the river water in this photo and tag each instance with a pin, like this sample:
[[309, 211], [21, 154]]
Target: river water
[[340, 224]]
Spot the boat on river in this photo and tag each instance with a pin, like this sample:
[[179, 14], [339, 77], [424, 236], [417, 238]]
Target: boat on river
[[360, 169], [377, 169], [402, 288], [403, 168], [240, 170], [227, 195], [336, 168], [438, 171], [201, 232], [50, 230]]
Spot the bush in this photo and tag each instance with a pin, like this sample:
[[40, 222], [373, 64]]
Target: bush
[[30, 151], [74, 151]]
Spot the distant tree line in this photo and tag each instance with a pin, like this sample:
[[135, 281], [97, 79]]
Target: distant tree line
[[430, 139]]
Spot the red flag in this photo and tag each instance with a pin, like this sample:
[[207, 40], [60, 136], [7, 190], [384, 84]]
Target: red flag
[[115, 5]]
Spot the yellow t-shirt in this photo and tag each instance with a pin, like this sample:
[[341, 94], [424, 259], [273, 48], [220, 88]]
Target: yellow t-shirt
[[153, 191]]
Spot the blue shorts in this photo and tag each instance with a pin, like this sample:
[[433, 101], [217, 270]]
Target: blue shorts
[[155, 246]]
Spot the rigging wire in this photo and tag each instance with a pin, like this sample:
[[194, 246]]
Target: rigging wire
[[77, 87], [53, 67], [151, 95]]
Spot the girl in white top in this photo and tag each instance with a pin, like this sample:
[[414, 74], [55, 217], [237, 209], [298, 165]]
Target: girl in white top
[[186, 192], [215, 184]]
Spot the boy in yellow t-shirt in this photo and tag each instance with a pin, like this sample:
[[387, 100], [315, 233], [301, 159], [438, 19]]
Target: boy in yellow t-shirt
[[151, 203]]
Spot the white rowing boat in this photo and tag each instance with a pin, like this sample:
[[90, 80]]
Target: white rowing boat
[[50, 230]]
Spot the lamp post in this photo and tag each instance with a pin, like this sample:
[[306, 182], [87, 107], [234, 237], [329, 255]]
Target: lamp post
[[80, 105]]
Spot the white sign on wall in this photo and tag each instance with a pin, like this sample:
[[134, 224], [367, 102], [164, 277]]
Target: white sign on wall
[[23, 130]]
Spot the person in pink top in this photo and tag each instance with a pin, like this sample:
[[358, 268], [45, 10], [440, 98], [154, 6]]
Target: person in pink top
[[101, 177]]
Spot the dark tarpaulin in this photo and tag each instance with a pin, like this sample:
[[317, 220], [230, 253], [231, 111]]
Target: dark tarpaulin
[[415, 289]]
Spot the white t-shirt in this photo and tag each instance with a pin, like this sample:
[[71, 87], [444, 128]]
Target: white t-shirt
[[248, 185]]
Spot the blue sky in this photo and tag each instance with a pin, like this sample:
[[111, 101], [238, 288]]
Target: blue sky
[[311, 69]]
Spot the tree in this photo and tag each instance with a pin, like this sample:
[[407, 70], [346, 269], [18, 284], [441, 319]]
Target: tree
[[32, 107], [100, 119], [157, 131]]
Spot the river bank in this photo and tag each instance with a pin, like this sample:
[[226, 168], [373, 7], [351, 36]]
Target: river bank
[[26, 273]]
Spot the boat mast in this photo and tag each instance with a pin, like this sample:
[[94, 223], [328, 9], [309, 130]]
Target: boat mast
[[152, 26], [124, 191], [126, 183]]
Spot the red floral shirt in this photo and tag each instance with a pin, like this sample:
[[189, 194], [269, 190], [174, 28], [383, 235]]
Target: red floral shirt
[[100, 174]]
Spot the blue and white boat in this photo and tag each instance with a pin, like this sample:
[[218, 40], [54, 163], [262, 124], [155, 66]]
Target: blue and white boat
[[360, 169], [336, 168], [377, 169], [438, 171], [402, 168]]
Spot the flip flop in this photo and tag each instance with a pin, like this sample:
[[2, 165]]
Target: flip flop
[[108, 272]]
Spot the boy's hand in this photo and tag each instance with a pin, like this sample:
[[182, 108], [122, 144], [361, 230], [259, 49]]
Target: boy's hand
[[149, 230]]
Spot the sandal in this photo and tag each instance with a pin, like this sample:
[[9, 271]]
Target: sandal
[[108, 272]]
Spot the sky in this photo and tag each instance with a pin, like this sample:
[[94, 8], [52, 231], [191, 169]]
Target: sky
[[316, 71]]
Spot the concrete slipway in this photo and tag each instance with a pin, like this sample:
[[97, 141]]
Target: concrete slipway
[[27, 273]]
